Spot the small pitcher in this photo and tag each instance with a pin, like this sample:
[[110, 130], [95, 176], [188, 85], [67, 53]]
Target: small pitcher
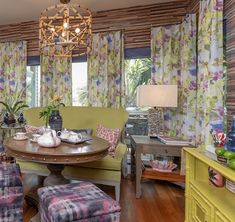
[[64, 134], [75, 137]]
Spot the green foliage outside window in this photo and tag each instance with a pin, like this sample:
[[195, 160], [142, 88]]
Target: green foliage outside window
[[137, 72], [83, 96]]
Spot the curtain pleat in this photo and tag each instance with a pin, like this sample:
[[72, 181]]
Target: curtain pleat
[[210, 85], [173, 52], [56, 79], [106, 80], [13, 62]]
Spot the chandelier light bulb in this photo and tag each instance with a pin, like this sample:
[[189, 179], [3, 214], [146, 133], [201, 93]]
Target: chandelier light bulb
[[65, 25], [63, 34], [77, 30], [52, 29]]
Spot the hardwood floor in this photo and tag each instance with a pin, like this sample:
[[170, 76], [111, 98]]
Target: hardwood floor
[[161, 201]]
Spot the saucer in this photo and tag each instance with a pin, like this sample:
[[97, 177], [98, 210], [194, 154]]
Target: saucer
[[75, 141], [83, 140], [15, 138], [34, 141]]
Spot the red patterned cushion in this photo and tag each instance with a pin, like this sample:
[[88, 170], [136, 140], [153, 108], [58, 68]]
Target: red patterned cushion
[[111, 135]]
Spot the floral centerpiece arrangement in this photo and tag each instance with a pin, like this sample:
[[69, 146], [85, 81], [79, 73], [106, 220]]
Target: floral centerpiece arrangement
[[55, 104]]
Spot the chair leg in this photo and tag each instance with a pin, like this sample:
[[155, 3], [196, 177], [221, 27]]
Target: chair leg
[[117, 192], [124, 165]]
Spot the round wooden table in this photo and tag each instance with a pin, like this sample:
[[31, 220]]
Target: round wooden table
[[57, 157]]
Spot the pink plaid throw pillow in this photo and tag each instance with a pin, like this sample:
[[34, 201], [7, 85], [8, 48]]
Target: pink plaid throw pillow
[[110, 135]]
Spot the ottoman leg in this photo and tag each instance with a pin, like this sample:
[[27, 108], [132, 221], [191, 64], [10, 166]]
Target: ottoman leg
[[55, 177], [117, 192]]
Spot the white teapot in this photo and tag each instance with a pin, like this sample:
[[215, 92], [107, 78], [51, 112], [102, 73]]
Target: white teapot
[[49, 139]]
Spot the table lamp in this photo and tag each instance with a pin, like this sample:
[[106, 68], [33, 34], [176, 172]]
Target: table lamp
[[157, 97]]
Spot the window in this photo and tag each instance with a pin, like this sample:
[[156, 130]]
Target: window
[[33, 86], [79, 84], [137, 72]]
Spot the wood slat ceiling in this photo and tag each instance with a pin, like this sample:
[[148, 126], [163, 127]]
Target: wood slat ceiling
[[229, 14], [136, 22]]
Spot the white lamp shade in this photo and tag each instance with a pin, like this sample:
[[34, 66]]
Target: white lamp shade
[[157, 95]]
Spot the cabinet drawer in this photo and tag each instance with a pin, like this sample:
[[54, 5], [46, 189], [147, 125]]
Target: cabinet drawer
[[201, 209], [166, 151], [219, 217]]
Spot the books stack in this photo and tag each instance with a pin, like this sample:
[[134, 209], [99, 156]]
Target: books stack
[[173, 140]]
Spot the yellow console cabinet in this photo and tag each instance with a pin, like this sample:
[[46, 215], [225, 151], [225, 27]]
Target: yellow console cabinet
[[206, 202]]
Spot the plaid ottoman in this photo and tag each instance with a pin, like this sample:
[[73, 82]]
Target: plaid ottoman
[[79, 202], [11, 193]]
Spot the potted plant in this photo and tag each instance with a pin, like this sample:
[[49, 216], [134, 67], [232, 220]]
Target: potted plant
[[50, 113], [11, 109]]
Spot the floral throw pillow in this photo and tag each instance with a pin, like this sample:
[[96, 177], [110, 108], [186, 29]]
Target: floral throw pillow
[[110, 135]]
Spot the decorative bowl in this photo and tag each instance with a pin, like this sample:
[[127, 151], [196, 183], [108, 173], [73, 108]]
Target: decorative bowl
[[163, 165]]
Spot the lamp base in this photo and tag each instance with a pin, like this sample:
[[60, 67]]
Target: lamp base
[[155, 121]]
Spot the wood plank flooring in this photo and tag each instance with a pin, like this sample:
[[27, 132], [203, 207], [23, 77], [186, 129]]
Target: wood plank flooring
[[161, 201]]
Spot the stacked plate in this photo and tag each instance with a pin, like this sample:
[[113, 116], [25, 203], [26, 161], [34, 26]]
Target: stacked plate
[[230, 185]]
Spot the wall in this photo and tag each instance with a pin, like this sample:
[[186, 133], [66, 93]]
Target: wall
[[136, 22], [229, 14]]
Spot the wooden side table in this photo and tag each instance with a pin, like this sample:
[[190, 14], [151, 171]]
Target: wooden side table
[[146, 145]]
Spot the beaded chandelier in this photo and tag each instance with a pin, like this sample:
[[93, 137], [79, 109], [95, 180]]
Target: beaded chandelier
[[64, 30]]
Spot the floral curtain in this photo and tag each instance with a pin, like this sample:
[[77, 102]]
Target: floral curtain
[[105, 70], [56, 79], [210, 94], [173, 50], [13, 62]]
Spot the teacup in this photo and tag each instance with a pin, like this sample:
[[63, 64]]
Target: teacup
[[75, 137], [20, 135], [64, 134], [35, 137]]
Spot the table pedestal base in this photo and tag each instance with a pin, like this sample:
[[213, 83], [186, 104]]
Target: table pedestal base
[[55, 177]]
